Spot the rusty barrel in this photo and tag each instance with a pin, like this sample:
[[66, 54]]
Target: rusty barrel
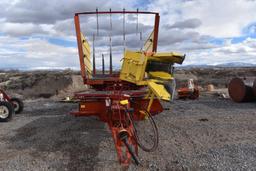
[[241, 89]]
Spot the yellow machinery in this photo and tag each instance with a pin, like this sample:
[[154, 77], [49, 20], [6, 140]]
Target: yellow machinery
[[121, 104], [154, 70]]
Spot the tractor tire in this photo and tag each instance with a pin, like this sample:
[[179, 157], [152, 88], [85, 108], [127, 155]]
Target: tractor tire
[[6, 111], [17, 105]]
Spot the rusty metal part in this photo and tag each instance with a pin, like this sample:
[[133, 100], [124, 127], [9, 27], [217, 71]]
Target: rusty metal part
[[240, 89], [189, 91], [185, 93]]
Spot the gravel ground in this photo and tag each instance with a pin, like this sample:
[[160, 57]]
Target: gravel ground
[[205, 134]]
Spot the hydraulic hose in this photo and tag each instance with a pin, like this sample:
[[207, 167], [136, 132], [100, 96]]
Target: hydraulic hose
[[153, 124]]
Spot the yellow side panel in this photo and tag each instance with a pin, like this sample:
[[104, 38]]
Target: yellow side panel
[[124, 102], [133, 67], [159, 91], [87, 54], [160, 75], [172, 57], [148, 45]]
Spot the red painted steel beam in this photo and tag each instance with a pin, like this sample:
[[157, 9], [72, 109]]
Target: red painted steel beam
[[116, 12], [156, 29], [80, 48]]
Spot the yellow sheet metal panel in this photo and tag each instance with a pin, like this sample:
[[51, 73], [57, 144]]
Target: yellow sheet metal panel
[[172, 57], [87, 54], [160, 75], [86, 44], [88, 64], [124, 102], [159, 90], [133, 67], [148, 45]]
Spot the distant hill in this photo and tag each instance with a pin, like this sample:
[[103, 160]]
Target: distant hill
[[237, 64], [117, 68], [226, 65]]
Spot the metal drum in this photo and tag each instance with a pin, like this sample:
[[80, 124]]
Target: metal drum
[[240, 89]]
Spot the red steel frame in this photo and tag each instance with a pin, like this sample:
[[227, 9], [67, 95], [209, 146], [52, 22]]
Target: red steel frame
[[95, 104], [5, 96], [115, 116], [109, 79], [107, 106]]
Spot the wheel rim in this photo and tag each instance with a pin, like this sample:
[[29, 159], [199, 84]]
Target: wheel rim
[[4, 112], [16, 106]]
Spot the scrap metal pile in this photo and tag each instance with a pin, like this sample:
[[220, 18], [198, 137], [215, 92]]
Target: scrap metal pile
[[127, 98]]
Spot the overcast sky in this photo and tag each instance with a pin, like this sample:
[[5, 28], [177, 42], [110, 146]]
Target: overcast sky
[[40, 34]]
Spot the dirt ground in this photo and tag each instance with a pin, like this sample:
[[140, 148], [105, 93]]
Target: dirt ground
[[205, 134]]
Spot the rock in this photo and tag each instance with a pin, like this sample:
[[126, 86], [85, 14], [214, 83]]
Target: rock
[[210, 87]]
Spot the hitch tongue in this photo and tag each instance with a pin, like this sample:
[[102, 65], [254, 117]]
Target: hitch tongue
[[123, 136]]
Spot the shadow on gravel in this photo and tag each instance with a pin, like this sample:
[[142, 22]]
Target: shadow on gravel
[[48, 108], [224, 104], [75, 141]]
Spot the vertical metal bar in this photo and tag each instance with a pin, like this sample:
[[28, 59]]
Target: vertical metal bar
[[124, 28], [80, 48], [97, 16], [141, 43], [155, 39], [93, 55], [110, 21], [137, 25], [152, 96], [110, 45], [110, 57], [103, 65]]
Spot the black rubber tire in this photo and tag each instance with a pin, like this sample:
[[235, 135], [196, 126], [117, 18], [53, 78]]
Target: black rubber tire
[[20, 105], [9, 107]]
